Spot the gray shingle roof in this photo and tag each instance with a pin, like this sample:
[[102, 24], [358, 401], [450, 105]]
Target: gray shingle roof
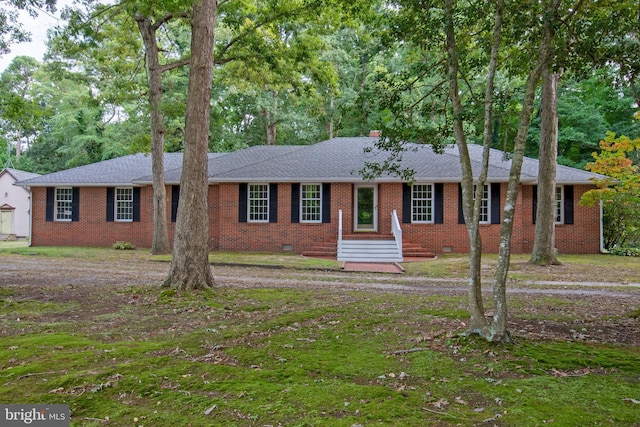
[[18, 174], [335, 160], [113, 172], [341, 159]]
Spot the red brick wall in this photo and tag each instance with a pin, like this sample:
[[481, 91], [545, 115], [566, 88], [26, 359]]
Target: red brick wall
[[583, 237], [580, 237], [236, 236], [227, 233], [92, 228]]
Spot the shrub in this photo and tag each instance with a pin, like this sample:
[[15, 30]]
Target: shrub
[[123, 246], [625, 251]]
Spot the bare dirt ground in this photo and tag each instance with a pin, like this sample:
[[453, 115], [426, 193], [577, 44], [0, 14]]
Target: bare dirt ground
[[577, 309]]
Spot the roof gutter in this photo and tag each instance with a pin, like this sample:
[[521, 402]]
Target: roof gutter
[[78, 184], [30, 215], [602, 248]]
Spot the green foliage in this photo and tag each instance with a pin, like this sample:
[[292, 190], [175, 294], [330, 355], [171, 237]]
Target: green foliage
[[11, 29], [619, 192], [123, 246], [587, 108], [624, 251], [23, 110]]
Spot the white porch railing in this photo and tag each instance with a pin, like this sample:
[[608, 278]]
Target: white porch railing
[[371, 250], [340, 231], [397, 231]]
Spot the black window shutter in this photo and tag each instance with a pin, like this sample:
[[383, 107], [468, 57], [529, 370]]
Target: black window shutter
[[273, 202], [175, 198], [438, 203], [75, 204], [568, 204], [136, 204], [326, 203], [495, 203], [110, 201], [51, 194], [242, 202], [534, 204], [460, 209], [295, 203], [406, 203]]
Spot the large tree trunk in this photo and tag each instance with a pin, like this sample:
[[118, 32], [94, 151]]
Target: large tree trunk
[[190, 267], [544, 244], [160, 243]]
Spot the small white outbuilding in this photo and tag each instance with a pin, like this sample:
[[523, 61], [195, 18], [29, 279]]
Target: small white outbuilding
[[15, 204]]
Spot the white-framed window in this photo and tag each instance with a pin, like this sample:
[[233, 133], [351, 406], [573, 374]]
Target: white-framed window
[[422, 203], [63, 204], [485, 204], [559, 205], [310, 203], [258, 203], [123, 205]]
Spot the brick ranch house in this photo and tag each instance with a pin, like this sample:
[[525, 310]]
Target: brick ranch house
[[310, 200]]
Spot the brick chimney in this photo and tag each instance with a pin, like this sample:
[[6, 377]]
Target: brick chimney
[[375, 133]]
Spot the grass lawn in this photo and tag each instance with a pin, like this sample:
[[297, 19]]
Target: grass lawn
[[124, 355]]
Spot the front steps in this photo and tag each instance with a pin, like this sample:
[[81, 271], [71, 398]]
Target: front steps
[[376, 248], [370, 250]]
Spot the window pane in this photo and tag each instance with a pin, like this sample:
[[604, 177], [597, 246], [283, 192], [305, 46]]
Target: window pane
[[259, 202], [310, 203], [64, 199], [124, 204], [484, 203], [559, 204], [422, 203]]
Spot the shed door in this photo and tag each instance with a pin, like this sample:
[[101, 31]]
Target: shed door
[[6, 222]]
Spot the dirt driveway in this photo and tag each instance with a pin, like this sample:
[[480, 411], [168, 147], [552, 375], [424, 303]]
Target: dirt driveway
[[592, 312]]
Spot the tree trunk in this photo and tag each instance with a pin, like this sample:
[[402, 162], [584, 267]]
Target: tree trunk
[[499, 331], [544, 244], [272, 120], [330, 125], [190, 269], [160, 243], [364, 107], [471, 210], [18, 143]]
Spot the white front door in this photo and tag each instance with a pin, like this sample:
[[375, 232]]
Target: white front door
[[366, 207], [6, 222]]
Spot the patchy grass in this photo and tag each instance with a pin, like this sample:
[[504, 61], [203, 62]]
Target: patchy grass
[[573, 268], [294, 357], [123, 355], [577, 268], [85, 253]]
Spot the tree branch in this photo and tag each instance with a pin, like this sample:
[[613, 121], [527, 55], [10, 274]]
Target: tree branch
[[240, 37], [174, 65], [168, 17]]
